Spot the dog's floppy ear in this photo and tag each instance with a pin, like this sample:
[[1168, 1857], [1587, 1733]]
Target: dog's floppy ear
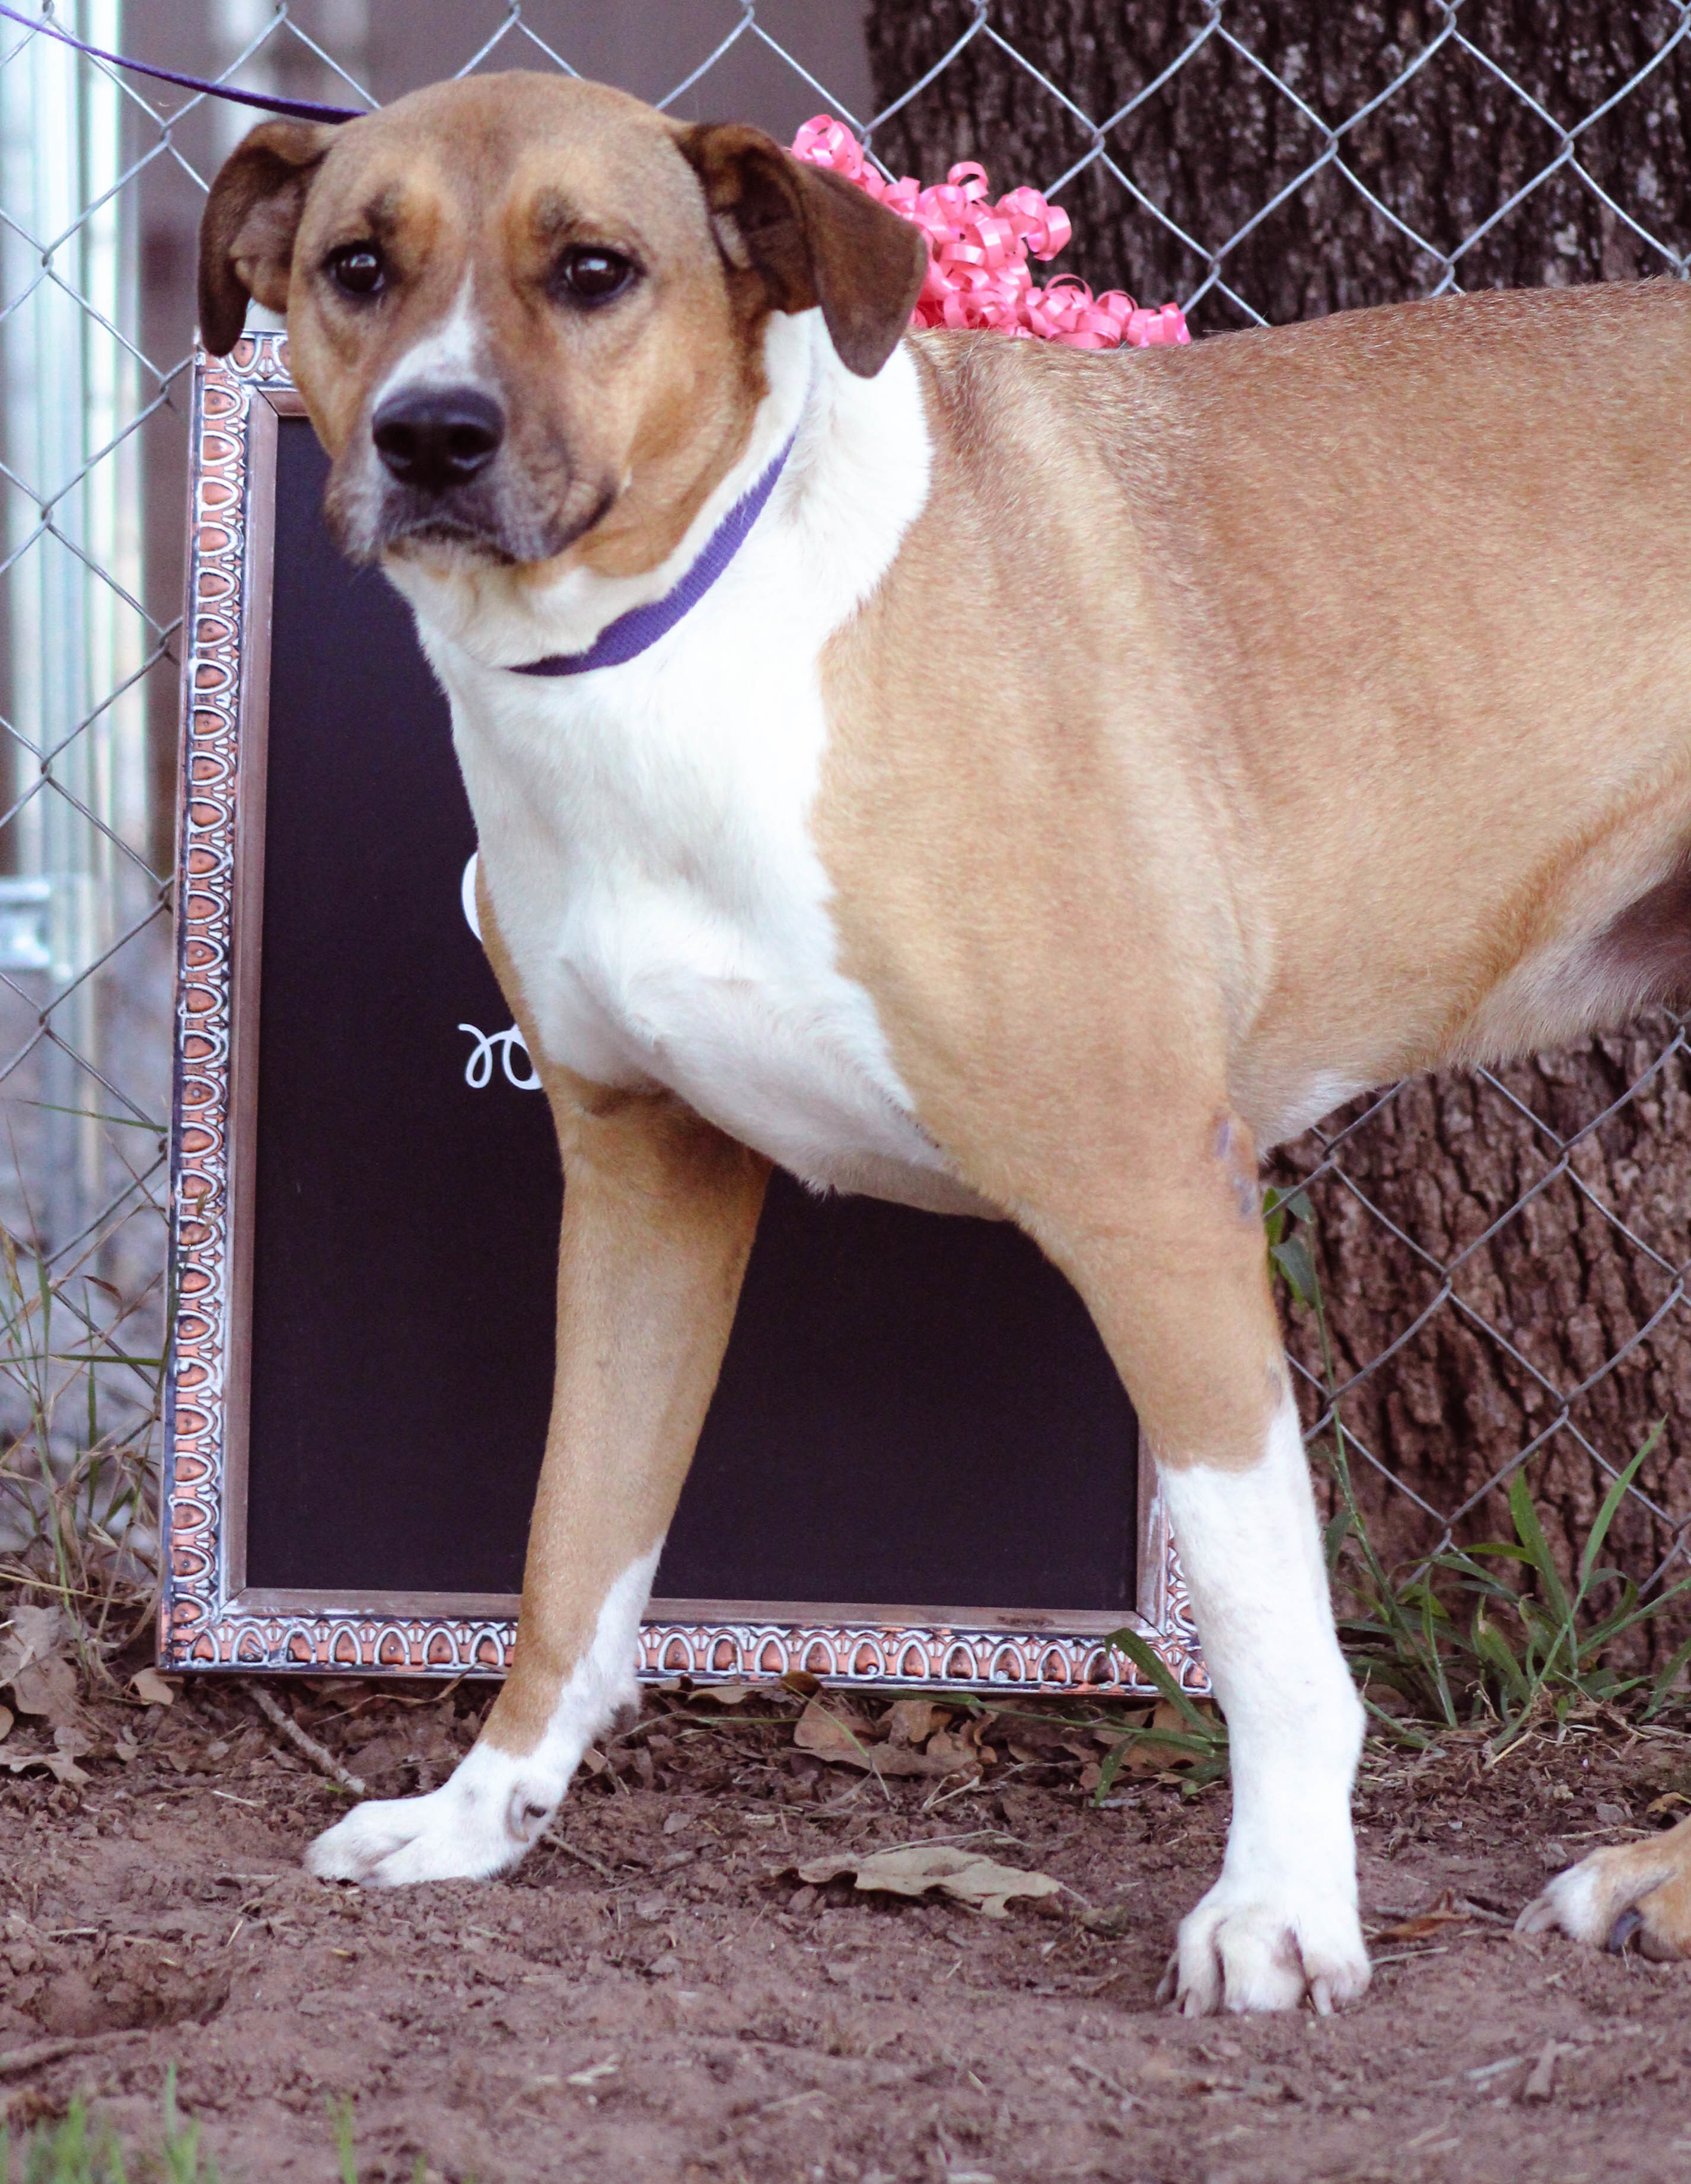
[[806, 237], [246, 237]]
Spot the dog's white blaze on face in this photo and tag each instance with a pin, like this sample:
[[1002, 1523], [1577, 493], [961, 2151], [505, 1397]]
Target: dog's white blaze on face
[[454, 355], [497, 1802], [1281, 1922], [503, 616], [644, 829]]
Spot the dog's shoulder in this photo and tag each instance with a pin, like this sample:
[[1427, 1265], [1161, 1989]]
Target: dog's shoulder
[[995, 398]]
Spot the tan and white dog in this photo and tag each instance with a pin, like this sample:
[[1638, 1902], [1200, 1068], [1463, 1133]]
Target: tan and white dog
[[1326, 717]]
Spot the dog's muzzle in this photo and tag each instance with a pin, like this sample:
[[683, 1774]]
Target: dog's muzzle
[[440, 469]]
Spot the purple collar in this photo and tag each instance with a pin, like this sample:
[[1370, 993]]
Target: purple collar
[[635, 632]]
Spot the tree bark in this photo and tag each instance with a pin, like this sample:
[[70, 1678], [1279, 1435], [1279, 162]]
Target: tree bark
[[1534, 1311], [1219, 141], [1529, 1269]]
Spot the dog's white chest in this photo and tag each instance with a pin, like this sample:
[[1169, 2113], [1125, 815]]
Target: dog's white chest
[[655, 879], [645, 835]]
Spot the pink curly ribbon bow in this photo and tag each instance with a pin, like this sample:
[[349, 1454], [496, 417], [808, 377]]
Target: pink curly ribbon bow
[[978, 252]]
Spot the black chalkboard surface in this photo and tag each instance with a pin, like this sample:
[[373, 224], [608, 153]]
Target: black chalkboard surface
[[914, 1409]]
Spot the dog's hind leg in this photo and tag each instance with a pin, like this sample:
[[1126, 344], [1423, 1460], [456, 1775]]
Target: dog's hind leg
[[660, 1212], [1635, 1895], [1177, 1280]]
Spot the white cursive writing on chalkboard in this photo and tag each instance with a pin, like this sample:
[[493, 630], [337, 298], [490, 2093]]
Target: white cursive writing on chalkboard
[[479, 1070]]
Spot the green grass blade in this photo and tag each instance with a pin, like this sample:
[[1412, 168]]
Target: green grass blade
[[1494, 1650], [1662, 1689], [1160, 1676], [1293, 1259], [1109, 1767], [1594, 1547], [1432, 1658], [93, 1115], [1531, 1534], [1405, 1732], [1611, 1502], [341, 2116]]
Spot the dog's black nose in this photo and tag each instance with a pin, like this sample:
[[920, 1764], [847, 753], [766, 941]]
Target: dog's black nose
[[436, 438]]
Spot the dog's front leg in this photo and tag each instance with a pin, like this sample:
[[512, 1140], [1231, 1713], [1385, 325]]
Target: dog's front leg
[[660, 1212], [1180, 1290]]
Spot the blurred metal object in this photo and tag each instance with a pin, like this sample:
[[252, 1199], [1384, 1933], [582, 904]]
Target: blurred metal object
[[72, 573]]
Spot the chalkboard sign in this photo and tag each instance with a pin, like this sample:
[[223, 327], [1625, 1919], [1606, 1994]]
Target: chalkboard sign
[[919, 1463]]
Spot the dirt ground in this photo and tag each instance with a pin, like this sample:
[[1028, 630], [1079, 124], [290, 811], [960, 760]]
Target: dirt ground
[[654, 1995]]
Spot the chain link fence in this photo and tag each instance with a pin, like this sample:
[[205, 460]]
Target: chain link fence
[[1505, 1254]]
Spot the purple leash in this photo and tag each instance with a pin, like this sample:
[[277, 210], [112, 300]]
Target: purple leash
[[299, 109]]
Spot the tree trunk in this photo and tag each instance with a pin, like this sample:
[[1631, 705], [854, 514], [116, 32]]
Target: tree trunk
[[1219, 141], [1518, 1337], [1543, 1266]]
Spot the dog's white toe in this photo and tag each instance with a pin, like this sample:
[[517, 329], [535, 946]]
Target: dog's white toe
[[473, 1826], [1631, 1894], [1251, 1949], [1575, 1901]]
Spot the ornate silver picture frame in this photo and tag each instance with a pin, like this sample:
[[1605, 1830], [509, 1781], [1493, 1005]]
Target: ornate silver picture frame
[[211, 1617]]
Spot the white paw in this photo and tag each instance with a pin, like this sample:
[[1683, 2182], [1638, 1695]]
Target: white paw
[[475, 1825], [1576, 1901], [1249, 1946], [1634, 1894]]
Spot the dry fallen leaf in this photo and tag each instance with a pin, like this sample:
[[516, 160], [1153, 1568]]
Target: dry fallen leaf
[[32, 1662], [58, 1763], [7, 1718], [979, 1881], [726, 1695], [1157, 1758], [840, 1735], [47, 1688], [913, 1721], [844, 1739], [938, 1761], [41, 1632], [1438, 1915], [950, 1754], [151, 1689]]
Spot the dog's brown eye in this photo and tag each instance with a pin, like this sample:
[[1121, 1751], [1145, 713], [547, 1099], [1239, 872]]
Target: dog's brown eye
[[358, 269], [593, 275]]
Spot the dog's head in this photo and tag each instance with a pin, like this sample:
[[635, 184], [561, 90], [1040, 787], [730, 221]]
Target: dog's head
[[527, 313]]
